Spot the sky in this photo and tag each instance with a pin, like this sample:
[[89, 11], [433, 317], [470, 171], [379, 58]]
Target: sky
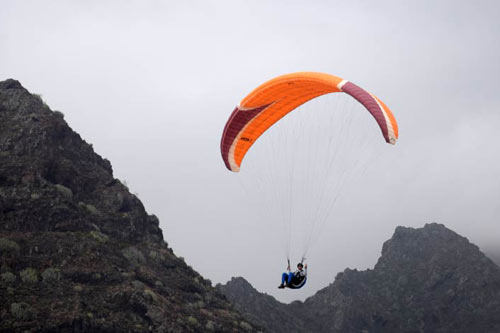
[[151, 84]]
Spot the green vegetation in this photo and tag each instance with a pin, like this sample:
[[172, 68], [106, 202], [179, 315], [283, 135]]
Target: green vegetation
[[151, 295], [51, 275], [100, 237], [8, 246], [21, 311], [156, 256], [8, 277], [64, 190], [92, 209], [192, 321], [199, 304], [29, 275], [210, 326], [133, 255], [246, 326], [138, 285]]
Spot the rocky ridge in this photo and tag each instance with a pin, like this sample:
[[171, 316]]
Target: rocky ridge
[[78, 252], [428, 279], [261, 308]]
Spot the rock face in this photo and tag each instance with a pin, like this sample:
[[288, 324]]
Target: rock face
[[427, 280], [78, 252], [260, 307]]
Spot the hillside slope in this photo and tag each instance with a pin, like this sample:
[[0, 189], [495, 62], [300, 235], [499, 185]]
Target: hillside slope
[[78, 252]]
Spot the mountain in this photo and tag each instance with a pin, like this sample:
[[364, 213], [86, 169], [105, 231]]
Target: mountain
[[260, 307], [78, 252], [428, 279]]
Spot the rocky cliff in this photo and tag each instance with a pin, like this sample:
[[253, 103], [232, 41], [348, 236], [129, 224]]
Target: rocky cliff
[[78, 252], [260, 307], [427, 280]]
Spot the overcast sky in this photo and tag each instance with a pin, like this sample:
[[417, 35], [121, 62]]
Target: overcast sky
[[151, 84]]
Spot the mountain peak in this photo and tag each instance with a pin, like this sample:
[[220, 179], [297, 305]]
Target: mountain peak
[[78, 252], [421, 248], [10, 84], [429, 279], [45, 162]]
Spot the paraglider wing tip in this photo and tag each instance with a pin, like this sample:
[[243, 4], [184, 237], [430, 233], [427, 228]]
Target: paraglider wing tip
[[233, 167]]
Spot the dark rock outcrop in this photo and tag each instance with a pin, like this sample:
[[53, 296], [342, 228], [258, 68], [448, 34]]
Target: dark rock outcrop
[[260, 307], [78, 252], [427, 280]]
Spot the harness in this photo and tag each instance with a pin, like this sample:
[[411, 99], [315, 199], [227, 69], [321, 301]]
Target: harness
[[297, 282]]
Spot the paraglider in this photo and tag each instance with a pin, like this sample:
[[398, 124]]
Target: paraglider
[[265, 106], [294, 280]]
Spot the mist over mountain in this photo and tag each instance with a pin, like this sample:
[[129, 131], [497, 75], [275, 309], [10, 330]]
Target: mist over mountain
[[427, 280], [78, 252]]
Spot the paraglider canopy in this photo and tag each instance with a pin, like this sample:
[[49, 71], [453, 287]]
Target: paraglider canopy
[[272, 100]]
